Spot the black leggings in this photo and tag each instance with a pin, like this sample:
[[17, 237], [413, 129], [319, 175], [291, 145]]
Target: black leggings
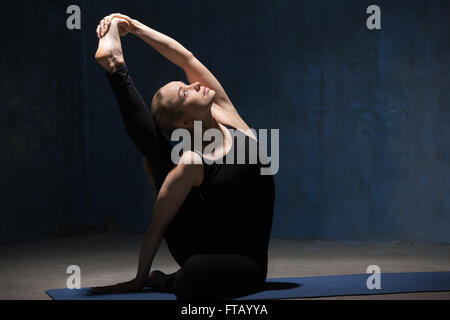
[[201, 276], [221, 276]]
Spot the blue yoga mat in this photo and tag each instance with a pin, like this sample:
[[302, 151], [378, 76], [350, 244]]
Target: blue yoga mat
[[304, 287]]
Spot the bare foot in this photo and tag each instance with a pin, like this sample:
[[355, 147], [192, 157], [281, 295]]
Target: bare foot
[[160, 280], [109, 53]]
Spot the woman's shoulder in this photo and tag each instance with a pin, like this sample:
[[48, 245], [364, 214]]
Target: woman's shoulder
[[232, 120], [191, 158], [191, 166]]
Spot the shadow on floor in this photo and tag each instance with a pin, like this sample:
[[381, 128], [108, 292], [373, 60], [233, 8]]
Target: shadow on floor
[[280, 285]]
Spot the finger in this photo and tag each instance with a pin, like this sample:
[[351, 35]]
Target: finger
[[106, 28], [107, 24], [122, 16], [103, 28], [110, 18]]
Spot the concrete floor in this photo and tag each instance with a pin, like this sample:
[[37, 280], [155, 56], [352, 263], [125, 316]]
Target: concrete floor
[[27, 270]]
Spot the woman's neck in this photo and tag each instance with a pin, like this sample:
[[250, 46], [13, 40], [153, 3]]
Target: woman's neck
[[209, 122]]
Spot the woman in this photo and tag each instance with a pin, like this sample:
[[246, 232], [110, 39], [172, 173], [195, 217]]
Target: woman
[[215, 218]]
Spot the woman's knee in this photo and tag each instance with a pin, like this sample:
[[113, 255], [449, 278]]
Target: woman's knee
[[191, 274], [186, 281], [217, 277]]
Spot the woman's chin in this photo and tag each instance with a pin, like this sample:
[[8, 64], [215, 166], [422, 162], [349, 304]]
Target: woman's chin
[[211, 95]]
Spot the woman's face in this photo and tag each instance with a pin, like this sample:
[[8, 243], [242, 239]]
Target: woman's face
[[193, 99]]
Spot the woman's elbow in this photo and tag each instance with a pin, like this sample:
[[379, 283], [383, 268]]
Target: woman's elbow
[[187, 57]]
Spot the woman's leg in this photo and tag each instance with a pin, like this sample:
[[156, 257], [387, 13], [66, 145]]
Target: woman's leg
[[160, 280], [222, 276], [136, 116]]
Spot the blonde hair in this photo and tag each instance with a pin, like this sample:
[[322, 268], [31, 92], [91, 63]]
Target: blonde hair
[[165, 116]]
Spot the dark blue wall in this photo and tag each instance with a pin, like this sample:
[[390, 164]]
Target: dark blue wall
[[364, 116]]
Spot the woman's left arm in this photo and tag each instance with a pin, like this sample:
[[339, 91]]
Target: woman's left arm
[[177, 185], [175, 189]]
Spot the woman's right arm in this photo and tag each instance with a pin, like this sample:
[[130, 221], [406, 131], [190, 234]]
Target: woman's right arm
[[195, 70], [165, 45], [183, 58]]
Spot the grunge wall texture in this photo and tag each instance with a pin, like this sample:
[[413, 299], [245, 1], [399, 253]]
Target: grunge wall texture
[[364, 116]]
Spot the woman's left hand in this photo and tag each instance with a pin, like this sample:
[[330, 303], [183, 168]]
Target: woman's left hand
[[125, 287]]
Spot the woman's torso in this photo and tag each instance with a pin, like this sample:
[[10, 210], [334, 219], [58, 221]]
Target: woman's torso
[[232, 210]]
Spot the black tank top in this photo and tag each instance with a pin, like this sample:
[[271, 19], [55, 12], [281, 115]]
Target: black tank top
[[238, 200]]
